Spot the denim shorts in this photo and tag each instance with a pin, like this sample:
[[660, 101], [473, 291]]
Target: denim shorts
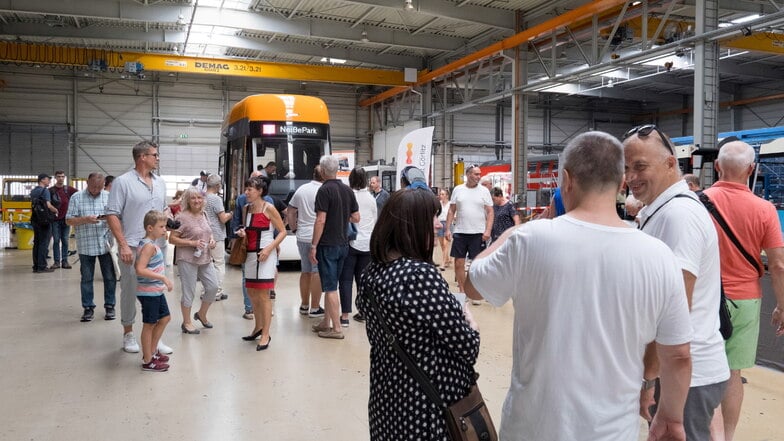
[[154, 308], [304, 258], [330, 265], [441, 232]]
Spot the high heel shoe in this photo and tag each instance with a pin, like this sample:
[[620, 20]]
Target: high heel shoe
[[263, 347], [207, 325], [253, 336], [189, 331]]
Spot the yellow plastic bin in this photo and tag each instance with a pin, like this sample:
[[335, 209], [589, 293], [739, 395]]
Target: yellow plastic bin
[[24, 236]]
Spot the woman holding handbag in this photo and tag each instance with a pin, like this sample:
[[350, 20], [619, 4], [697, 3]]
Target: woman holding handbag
[[257, 225], [403, 293]]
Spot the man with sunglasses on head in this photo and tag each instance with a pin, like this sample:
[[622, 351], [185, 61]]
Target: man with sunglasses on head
[[472, 205], [133, 194], [673, 214]]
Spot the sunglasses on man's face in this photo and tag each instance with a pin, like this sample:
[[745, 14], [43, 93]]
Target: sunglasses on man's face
[[647, 129]]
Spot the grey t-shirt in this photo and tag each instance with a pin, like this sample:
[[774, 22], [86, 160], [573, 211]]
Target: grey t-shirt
[[213, 209]]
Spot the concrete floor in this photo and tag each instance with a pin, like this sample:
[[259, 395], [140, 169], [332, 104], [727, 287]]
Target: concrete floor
[[62, 379]]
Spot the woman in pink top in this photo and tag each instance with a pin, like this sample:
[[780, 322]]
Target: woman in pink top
[[193, 259]]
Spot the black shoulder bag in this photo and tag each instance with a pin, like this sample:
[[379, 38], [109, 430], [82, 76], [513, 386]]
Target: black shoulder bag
[[466, 420]]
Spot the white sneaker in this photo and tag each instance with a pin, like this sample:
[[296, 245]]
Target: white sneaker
[[163, 349], [130, 344], [476, 302]]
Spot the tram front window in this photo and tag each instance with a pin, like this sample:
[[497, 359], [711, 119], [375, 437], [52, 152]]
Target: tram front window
[[291, 172]]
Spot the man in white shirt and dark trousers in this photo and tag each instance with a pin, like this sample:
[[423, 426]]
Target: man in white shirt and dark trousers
[[585, 308], [673, 214]]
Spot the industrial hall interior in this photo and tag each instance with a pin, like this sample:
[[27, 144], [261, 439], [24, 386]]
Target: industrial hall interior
[[182, 255]]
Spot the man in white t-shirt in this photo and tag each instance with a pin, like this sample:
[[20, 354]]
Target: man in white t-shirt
[[472, 205], [589, 294], [301, 217], [673, 214]]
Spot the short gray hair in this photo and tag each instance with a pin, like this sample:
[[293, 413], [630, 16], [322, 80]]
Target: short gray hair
[[213, 181], [735, 156], [329, 166], [141, 148], [595, 161]]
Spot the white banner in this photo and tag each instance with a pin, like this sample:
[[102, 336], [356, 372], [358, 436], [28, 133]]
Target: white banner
[[415, 149]]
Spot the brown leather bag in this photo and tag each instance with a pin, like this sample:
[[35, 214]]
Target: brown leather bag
[[239, 250], [469, 419]]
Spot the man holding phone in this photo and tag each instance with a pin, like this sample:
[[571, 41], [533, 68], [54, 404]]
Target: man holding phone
[[93, 240]]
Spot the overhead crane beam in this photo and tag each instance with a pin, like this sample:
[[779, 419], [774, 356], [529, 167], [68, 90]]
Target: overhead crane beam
[[115, 61], [759, 41]]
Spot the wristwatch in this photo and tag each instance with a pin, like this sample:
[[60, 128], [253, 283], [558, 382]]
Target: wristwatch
[[648, 384]]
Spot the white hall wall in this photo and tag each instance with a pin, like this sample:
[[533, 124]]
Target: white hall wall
[[99, 117]]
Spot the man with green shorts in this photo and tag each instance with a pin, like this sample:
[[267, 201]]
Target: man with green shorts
[[755, 223]]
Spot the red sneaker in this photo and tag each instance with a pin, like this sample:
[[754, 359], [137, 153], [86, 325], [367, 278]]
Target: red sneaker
[[160, 357], [155, 366]]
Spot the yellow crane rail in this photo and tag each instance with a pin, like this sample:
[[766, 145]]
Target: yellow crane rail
[[106, 60]]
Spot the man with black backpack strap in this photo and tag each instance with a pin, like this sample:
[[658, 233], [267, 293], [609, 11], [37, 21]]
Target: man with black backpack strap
[[673, 214], [43, 214], [746, 224]]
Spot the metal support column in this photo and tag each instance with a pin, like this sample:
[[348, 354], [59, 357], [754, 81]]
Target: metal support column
[[519, 119], [73, 129], [706, 76]]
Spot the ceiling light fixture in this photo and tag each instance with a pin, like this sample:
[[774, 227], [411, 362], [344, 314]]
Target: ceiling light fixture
[[364, 38], [409, 4]]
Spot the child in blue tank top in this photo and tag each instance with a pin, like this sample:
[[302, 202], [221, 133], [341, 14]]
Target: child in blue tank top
[[151, 281]]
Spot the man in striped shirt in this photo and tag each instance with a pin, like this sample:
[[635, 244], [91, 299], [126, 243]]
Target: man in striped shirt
[[86, 212]]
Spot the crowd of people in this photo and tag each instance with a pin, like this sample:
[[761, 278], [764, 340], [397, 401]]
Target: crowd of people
[[613, 319]]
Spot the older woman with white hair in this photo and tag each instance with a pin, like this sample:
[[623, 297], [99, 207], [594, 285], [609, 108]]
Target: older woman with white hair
[[217, 216], [193, 240]]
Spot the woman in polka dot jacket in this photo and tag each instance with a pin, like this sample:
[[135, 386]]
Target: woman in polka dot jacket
[[429, 323]]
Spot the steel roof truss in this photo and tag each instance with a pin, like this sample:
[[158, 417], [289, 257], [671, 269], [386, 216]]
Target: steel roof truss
[[663, 21], [547, 70], [617, 24], [577, 45]]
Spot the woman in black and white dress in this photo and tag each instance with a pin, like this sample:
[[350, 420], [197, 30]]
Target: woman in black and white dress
[[425, 318]]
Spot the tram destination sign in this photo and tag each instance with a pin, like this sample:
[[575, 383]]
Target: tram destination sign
[[298, 130]]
